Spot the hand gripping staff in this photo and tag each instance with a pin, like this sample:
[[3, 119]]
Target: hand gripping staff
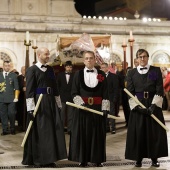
[[91, 110], [153, 116], [31, 122]]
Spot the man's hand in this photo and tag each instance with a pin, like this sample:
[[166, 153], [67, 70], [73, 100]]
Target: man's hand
[[141, 110], [152, 109], [30, 115], [15, 100], [105, 113]]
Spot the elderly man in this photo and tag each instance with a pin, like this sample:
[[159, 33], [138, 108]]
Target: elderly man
[[88, 133], [46, 141]]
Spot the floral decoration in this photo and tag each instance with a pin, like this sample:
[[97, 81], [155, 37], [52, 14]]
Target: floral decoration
[[100, 77], [2, 87]]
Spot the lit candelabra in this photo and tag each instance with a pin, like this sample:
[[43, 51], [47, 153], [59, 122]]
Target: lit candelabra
[[124, 54], [27, 43], [131, 40]]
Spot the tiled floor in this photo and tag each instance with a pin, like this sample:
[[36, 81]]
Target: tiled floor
[[12, 157]]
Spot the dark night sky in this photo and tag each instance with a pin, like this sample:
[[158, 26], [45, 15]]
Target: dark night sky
[[85, 7]]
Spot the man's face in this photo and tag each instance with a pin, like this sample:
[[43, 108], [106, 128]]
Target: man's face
[[104, 68], [44, 56], [89, 60], [143, 59], [6, 67], [136, 63], [68, 69]]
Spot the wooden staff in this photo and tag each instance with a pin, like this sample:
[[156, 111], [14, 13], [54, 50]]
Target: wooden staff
[[153, 116], [31, 122], [91, 110]]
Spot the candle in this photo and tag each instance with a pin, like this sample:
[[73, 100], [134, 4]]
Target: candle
[[34, 43], [27, 37], [124, 42], [131, 35]]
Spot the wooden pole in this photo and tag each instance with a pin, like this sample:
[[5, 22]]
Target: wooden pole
[[153, 116], [35, 53], [124, 62], [27, 61], [91, 110], [31, 122]]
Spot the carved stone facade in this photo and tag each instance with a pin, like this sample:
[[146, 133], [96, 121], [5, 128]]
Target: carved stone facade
[[47, 19]]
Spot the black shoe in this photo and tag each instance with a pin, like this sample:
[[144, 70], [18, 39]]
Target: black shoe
[[99, 165], [138, 164], [49, 165], [155, 164], [113, 132], [83, 164], [4, 133]]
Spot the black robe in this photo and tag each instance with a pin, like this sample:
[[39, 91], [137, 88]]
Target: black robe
[[46, 141], [88, 133], [145, 137]]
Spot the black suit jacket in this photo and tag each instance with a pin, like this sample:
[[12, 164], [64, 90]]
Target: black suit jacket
[[113, 86], [64, 88]]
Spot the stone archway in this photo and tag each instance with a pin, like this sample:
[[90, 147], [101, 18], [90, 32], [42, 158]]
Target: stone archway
[[7, 54], [161, 58]]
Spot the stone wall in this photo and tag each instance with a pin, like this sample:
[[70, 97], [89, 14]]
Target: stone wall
[[45, 19]]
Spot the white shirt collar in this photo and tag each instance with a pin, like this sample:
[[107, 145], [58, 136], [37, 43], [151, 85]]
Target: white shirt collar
[[5, 72], [143, 71], [39, 64]]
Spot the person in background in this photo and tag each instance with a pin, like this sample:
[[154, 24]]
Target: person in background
[[9, 93], [46, 141], [21, 105], [88, 133], [145, 137], [166, 86], [113, 92], [113, 68], [64, 82], [124, 98], [136, 62]]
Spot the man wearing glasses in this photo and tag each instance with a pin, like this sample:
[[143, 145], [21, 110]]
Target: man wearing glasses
[[145, 137]]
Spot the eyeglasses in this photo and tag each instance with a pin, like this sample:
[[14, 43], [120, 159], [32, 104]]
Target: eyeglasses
[[142, 57]]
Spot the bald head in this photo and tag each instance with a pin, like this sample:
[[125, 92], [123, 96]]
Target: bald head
[[43, 55]]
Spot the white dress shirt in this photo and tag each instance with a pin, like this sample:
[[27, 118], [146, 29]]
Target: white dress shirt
[[144, 71], [67, 77], [90, 78], [4, 72], [38, 64]]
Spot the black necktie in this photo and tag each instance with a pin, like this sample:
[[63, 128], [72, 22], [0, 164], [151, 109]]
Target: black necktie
[[43, 66], [67, 73], [88, 71], [6, 74], [144, 68]]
